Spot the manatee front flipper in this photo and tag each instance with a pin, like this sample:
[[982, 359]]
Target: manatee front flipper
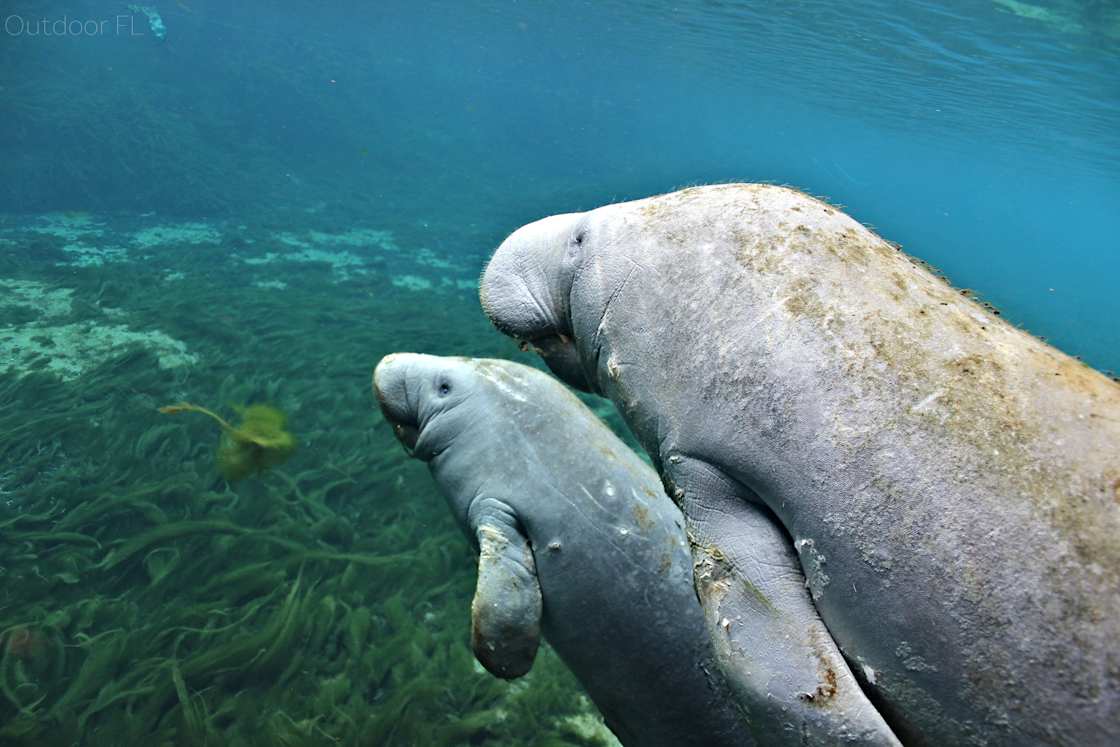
[[506, 610], [769, 640]]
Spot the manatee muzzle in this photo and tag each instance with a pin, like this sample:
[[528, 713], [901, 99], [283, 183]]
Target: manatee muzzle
[[559, 353], [386, 392], [407, 435]]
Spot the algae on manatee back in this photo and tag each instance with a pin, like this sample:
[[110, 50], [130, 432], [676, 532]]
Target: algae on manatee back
[[259, 442]]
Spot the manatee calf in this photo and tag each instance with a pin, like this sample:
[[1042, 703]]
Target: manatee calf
[[950, 483], [576, 538]]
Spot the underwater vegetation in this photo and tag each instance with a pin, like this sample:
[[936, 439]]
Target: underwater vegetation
[[146, 597], [258, 443]]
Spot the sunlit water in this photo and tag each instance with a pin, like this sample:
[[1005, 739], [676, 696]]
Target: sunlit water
[[984, 137]]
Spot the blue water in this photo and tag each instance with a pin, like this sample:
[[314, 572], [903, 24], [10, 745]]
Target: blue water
[[986, 142]]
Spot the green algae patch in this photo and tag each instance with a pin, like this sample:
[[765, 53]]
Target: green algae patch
[[260, 441]]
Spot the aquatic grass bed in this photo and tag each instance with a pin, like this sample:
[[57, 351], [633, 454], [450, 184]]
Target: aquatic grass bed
[[146, 600]]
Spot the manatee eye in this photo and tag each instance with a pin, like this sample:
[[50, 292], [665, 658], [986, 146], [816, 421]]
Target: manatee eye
[[444, 389], [575, 243]]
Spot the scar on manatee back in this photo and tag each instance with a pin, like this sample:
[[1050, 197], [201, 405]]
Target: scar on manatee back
[[828, 687], [711, 565]]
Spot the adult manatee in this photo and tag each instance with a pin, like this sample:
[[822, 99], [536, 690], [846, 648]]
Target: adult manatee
[[576, 538], [950, 483]]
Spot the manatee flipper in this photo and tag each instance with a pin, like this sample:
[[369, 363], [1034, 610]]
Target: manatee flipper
[[506, 609], [769, 639]]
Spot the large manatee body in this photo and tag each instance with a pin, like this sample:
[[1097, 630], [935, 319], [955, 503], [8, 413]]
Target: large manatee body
[[950, 483], [577, 539]]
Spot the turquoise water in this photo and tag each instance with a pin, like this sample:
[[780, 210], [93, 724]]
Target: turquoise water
[[261, 203]]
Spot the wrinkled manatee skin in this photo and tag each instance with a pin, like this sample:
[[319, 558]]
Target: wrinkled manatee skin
[[950, 483], [525, 465]]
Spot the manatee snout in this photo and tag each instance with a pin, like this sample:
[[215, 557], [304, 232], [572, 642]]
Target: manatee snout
[[525, 292], [561, 356], [390, 387], [521, 290]]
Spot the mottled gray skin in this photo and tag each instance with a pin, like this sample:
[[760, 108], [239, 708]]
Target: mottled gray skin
[[950, 483], [577, 538]]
